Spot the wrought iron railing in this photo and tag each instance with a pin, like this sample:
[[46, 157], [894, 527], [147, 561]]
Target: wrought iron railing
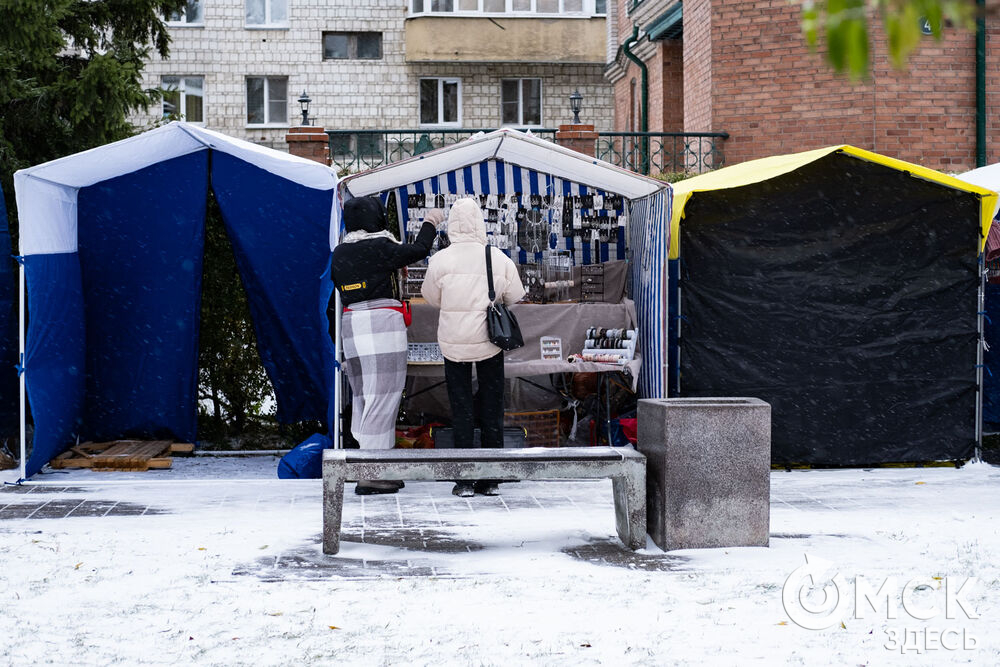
[[643, 152], [358, 150], [663, 152]]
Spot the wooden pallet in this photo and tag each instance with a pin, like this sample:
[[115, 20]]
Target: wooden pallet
[[124, 455]]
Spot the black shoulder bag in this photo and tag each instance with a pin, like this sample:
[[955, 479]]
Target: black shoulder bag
[[501, 325]]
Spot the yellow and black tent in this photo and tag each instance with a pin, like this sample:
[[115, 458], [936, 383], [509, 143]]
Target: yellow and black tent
[[842, 287]]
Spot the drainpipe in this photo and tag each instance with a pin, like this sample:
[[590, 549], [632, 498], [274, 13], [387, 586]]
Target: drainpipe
[[644, 122], [980, 84]]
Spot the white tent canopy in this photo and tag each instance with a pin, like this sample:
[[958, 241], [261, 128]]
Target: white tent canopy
[[519, 148], [46, 194]]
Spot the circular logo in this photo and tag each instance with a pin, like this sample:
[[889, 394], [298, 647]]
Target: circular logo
[[814, 596]]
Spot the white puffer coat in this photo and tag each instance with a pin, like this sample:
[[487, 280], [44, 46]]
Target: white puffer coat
[[456, 283]]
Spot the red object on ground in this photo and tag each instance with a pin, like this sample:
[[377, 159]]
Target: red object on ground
[[630, 428]]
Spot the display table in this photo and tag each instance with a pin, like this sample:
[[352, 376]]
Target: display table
[[567, 321]]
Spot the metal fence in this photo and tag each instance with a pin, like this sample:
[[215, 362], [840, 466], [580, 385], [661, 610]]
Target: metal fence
[[358, 150], [663, 152], [643, 152]]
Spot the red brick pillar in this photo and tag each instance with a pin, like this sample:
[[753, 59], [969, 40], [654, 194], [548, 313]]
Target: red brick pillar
[[309, 142], [581, 138]]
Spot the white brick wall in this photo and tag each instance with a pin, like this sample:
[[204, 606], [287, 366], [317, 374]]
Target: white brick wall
[[350, 94]]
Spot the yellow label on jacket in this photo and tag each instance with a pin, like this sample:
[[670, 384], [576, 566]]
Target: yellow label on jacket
[[346, 288]]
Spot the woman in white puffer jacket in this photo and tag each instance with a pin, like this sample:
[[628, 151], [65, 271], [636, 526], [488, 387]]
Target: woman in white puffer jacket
[[456, 283]]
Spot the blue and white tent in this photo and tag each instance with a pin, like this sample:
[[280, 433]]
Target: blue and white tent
[[112, 243], [507, 161]]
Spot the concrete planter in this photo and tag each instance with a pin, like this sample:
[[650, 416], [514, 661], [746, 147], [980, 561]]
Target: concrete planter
[[708, 471]]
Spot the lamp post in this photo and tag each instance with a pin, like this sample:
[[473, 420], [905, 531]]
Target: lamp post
[[575, 104], [304, 105]]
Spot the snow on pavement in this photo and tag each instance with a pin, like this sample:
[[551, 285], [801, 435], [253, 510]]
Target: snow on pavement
[[221, 564]]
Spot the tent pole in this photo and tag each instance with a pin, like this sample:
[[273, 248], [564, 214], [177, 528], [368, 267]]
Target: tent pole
[[24, 446], [337, 444], [979, 356]]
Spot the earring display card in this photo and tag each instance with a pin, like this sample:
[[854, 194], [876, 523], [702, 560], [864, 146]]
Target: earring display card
[[551, 347]]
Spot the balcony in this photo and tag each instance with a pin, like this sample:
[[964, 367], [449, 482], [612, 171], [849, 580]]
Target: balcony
[[507, 39], [657, 153]]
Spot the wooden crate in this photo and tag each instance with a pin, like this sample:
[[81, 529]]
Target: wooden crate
[[541, 426], [122, 455]]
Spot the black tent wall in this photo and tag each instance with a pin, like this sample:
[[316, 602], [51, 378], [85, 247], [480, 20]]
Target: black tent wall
[[845, 295]]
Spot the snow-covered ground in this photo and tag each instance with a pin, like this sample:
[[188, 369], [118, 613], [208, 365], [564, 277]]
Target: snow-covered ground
[[221, 565]]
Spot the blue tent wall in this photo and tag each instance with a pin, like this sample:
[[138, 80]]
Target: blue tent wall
[[55, 353], [140, 241], [991, 358], [8, 332], [280, 234]]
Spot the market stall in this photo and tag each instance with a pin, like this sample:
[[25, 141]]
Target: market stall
[[589, 240], [840, 286]]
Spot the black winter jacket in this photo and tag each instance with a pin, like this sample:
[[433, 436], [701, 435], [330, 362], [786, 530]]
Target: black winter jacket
[[364, 270]]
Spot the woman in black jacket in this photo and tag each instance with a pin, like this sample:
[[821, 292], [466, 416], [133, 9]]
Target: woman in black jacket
[[373, 333]]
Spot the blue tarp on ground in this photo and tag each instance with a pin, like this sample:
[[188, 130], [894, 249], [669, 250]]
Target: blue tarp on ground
[[113, 241], [8, 332]]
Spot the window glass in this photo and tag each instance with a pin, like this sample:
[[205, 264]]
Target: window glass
[[171, 96], [255, 101], [531, 101], [369, 45], [418, 6], [450, 95], [193, 96], [255, 12], [428, 100], [497, 6], [572, 5], [193, 11], [600, 6], [521, 5], [468, 5], [509, 104], [335, 46], [547, 6], [279, 11], [277, 100], [442, 5]]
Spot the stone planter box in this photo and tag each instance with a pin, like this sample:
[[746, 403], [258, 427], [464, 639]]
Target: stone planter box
[[708, 471]]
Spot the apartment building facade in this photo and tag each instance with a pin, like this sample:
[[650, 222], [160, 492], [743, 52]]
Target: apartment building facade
[[742, 67], [239, 66]]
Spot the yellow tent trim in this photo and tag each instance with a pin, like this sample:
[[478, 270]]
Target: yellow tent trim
[[756, 171]]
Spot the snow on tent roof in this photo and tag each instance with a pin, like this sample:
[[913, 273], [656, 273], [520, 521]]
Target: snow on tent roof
[[113, 245], [515, 147]]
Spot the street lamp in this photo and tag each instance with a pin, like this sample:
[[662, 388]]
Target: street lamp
[[575, 103], [304, 104]]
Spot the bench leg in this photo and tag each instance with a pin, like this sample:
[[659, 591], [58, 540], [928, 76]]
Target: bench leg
[[333, 511], [630, 505]]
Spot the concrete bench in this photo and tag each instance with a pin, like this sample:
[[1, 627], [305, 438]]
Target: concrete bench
[[625, 466]]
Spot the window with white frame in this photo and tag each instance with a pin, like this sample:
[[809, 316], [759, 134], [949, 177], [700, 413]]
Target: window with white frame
[[554, 7], [184, 98], [521, 102], [440, 102], [267, 100], [267, 13], [192, 14]]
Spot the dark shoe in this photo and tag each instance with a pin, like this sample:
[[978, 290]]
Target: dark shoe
[[367, 487], [464, 489], [487, 488]]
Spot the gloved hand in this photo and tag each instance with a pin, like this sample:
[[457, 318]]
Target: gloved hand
[[435, 216]]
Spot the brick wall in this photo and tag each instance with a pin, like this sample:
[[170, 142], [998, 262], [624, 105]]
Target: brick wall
[[698, 72], [349, 94], [774, 97]]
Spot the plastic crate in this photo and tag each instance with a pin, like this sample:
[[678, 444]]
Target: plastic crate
[[542, 426]]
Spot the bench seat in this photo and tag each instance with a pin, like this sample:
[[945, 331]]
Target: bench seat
[[623, 465]]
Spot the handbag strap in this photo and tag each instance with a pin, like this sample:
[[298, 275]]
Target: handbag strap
[[489, 273]]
